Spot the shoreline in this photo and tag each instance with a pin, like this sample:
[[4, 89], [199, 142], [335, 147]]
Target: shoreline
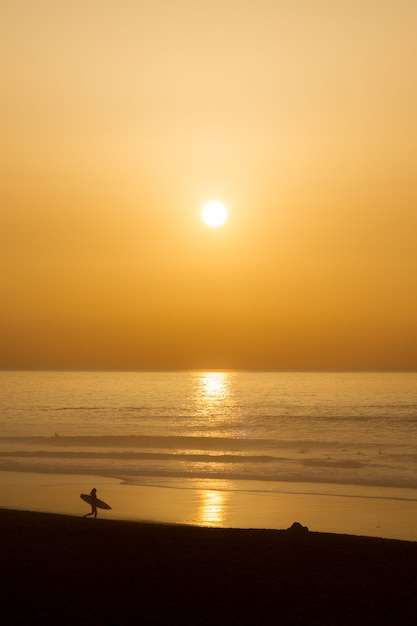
[[59, 569], [374, 512]]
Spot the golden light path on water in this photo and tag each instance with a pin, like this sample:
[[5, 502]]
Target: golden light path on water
[[211, 512], [214, 386], [214, 402], [213, 389]]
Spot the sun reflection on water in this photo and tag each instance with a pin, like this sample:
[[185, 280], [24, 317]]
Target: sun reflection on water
[[215, 404], [211, 512], [214, 386], [212, 392]]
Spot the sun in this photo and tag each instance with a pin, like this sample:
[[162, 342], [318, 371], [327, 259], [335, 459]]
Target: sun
[[214, 213]]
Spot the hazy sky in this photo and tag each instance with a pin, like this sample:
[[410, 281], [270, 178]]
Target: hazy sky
[[119, 119]]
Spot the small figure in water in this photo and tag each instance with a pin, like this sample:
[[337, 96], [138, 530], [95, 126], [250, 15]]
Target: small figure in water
[[93, 494]]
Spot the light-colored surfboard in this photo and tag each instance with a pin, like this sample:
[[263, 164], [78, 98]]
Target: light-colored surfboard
[[99, 503]]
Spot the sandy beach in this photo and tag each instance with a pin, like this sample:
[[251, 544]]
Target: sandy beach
[[60, 569], [344, 509]]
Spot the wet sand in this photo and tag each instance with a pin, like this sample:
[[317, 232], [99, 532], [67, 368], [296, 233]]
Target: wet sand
[[342, 509], [59, 569]]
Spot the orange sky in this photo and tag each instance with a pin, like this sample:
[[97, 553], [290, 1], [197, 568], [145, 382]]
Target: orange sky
[[120, 119]]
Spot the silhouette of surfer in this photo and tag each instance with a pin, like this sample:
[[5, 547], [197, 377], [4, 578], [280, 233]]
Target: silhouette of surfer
[[93, 494]]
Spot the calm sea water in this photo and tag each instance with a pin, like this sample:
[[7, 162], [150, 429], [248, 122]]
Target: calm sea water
[[153, 427]]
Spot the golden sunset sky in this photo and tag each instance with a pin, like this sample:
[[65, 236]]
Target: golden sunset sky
[[120, 119]]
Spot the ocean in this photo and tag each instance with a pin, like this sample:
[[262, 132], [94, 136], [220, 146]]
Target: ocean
[[239, 430]]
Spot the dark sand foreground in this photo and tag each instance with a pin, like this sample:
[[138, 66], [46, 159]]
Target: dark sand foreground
[[65, 570]]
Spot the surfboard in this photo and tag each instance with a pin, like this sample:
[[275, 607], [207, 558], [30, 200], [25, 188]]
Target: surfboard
[[99, 503]]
